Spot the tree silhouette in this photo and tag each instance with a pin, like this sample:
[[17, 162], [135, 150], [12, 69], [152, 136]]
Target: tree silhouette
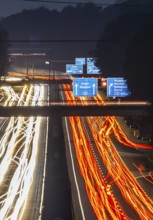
[[139, 65], [4, 59]]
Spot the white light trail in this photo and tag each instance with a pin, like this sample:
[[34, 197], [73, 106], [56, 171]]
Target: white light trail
[[17, 151]]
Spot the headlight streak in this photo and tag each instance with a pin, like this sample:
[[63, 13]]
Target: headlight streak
[[3, 123], [139, 200], [45, 159], [131, 191], [10, 136], [8, 93], [95, 184], [124, 179], [22, 135], [118, 132]]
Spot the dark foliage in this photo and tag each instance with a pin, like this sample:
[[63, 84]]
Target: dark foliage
[[112, 45], [4, 59], [139, 65], [125, 49], [47, 27]]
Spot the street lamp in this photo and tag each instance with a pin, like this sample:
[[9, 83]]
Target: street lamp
[[33, 69], [53, 72], [49, 63]]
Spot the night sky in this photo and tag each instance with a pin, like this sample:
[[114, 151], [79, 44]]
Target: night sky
[[9, 7]]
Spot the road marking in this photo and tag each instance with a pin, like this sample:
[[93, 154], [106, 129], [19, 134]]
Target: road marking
[[73, 169], [75, 178]]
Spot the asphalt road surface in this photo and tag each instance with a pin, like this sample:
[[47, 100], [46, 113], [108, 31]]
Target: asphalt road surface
[[57, 194]]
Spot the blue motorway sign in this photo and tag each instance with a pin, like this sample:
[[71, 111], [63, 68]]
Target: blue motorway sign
[[80, 61], [117, 87], [91, 68], [85, 86], [74, 69]]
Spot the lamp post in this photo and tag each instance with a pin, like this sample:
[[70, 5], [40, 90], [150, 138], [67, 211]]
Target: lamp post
[[27, 71], [33, 69], [49, 63], [53, 72]]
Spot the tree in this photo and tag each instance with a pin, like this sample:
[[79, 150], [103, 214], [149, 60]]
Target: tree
[[139, 66], [112, 45], [4, 58]]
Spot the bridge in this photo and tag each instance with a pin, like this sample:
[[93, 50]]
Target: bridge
[[67, 109], [77, 110], [35, 81]]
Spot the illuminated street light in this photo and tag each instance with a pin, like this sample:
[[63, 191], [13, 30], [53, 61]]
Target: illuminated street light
[[48, 63]]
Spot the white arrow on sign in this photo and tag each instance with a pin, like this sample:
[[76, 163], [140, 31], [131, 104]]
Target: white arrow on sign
[[94, 90], [76, 89], [109, 90]]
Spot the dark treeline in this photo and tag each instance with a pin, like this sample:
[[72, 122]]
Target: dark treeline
[[51, 28], [125, 48], [4, 58], [83, 22]]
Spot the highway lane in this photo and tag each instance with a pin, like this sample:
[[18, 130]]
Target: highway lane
[[138, 163], [56, 199], [104, 167], [20, 142], [101, 199], [34, 205], [134, 189], [81, 204], [98, 203], [57, 194], [112, 160]]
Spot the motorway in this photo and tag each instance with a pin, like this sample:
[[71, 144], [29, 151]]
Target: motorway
[[111, 187], [110, 175]]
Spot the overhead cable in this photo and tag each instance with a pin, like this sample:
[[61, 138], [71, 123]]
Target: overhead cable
[[125, 4]]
